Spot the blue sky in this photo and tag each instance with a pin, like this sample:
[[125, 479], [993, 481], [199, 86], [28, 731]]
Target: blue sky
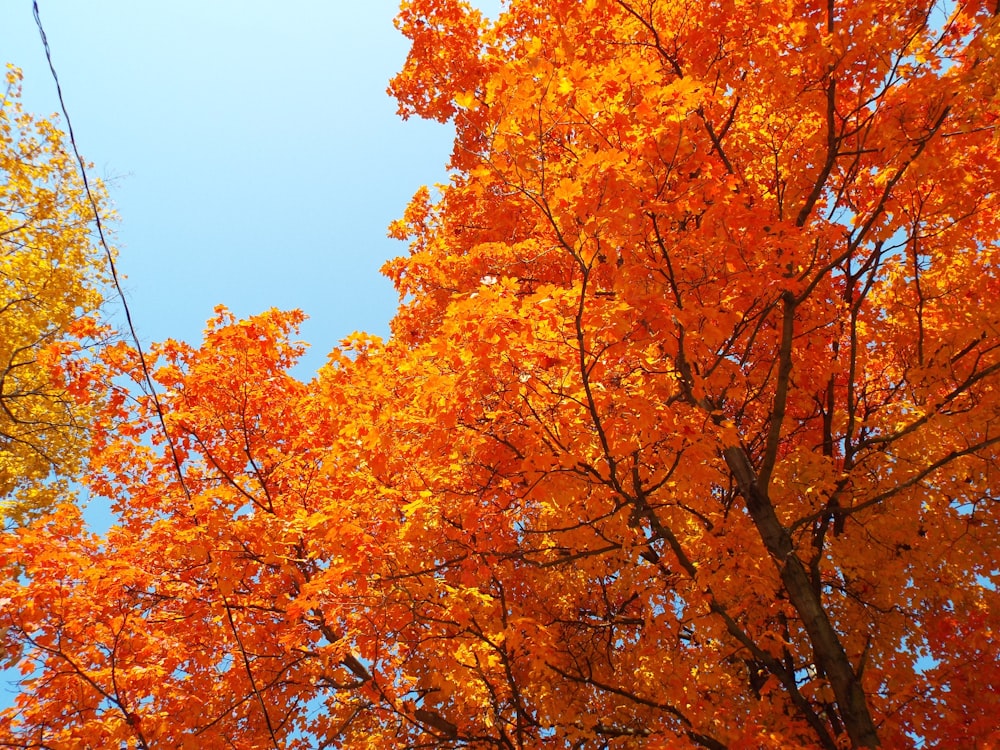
[[251, 151]]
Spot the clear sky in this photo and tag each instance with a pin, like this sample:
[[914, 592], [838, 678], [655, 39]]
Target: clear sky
[[251, 151]]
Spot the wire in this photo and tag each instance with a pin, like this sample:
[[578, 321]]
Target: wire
[[145, 368], [112, 266]]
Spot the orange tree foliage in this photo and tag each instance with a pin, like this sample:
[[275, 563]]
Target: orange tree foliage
[[686, 435], [50, 288]]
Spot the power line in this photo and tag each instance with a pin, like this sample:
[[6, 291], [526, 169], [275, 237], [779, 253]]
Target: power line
[[112, 266], [145, 372]]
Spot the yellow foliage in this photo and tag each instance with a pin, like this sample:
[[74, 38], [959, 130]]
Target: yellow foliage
[[50, 290]]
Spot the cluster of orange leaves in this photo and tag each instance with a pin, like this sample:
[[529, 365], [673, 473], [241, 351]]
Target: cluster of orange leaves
[[686, 434]]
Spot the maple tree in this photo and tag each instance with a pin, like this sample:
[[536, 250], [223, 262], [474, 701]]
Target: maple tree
[[686, 434], [50, 289]]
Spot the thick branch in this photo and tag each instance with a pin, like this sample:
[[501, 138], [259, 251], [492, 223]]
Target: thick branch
[[828, 652], [780, 393]]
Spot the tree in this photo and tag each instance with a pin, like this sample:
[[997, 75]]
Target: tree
[[50, 290], [686, 434]]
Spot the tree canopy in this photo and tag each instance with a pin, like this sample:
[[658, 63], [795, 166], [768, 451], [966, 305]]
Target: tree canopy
[[51, 281], [686, 434]]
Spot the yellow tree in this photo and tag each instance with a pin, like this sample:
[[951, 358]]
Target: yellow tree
[[686, 435], [50, 290]]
